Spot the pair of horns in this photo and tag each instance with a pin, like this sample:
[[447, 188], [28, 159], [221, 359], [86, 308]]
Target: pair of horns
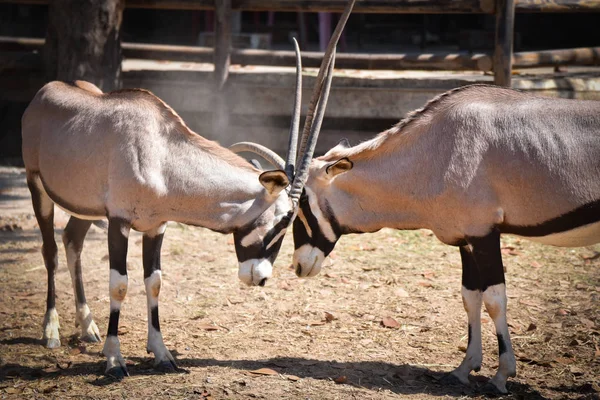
[[314, 117]]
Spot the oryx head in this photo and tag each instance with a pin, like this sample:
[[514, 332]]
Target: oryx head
[[257, 244], [316, 229]]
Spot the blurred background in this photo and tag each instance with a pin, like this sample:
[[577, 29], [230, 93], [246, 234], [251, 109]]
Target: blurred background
[[227, 66]]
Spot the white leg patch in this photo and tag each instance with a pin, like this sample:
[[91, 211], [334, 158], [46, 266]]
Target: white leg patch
[[310, 259], [495, 302], [153, 284], [253, 271], [51, 327], [157, 346], [117, 289], [472, 300]]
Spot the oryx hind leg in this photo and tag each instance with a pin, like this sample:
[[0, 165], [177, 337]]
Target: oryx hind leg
[[73, 237], [43, 208], [488, 258], [472, 301]]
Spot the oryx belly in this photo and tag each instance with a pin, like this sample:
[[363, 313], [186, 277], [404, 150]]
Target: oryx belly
[[586, 235]]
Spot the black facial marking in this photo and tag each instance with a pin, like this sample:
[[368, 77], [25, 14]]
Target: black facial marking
[[151, 253], [259, 250], [113, 323], [117, 245], [317, 239], [482, 264], [501, 344], [73, 236], [584, 215], [154, 317]]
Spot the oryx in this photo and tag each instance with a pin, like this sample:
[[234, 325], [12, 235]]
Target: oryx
[[127, 156], [473, 163]]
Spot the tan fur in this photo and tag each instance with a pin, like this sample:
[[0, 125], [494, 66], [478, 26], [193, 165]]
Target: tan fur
[[119, 154], [471, 158]]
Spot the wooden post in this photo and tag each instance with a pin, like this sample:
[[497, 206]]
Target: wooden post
[[83, 41], [222, 41], [505, 19], [222, 60]]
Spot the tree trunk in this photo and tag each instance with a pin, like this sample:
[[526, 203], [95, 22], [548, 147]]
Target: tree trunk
[[83, 41]]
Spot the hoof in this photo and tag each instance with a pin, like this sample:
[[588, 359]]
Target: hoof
[[166, 366], [53, 343], [451, 380], [91, 338], [117, 372], [490, 389]]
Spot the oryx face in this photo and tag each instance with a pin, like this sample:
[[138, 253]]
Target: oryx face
[[316, 228], [257, 244]]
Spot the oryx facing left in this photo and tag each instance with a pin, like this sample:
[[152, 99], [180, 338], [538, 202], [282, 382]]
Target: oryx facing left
[[127, 156]]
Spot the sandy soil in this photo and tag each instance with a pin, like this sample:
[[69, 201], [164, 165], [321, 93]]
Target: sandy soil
[[320, 338]]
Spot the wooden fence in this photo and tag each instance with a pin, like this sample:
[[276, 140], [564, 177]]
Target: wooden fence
[[500, 62]]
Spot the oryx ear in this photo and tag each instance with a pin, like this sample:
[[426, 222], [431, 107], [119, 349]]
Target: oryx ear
[[274, 181], [341, 165]]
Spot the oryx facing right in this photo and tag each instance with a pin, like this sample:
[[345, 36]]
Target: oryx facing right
[[475, 162], [128, 157]]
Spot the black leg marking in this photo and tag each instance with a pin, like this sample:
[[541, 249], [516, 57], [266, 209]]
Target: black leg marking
[[73, 237], [470, 335], [155, 323], [488, 260], [501, 344], [470, 272], [151, 253], [118, 233], [113, 323]]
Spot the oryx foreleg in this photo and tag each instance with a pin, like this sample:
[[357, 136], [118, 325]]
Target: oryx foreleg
[[151, 244], [118, 234], [73, 237]]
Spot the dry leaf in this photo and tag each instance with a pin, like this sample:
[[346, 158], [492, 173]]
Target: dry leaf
[[344, 280], [563, 312], [341, 379], [292, 378], [425, 284], [462, 348], [315, 323], [531, 327], [563, 360], [329, 317], [597, 353], [389, 322], [588, 323], [207, 327], [401, 292], [75, 351], [428, 274], [264, 371]]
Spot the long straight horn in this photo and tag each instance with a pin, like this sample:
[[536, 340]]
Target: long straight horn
[[302, 173], [308, 130], [290, 160]]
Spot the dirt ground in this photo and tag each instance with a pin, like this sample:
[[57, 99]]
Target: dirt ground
[[320, 338]]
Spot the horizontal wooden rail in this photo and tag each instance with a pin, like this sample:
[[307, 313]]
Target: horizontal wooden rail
[[363, 6], [433, 61]]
